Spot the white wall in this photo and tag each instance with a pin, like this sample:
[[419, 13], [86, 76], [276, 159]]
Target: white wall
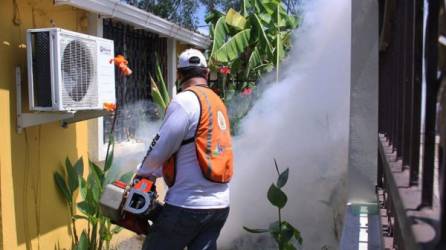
[[362, 167]]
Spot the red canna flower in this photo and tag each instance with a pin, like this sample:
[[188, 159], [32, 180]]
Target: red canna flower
[[246, 91], [122, 63], [110, 107], [225, 70]]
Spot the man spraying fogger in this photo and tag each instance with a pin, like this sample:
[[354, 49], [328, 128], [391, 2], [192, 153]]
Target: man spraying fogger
[[193, 152]]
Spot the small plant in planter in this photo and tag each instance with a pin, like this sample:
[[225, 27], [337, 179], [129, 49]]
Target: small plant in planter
[[282, 231]]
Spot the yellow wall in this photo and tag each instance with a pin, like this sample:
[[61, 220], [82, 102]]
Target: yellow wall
[[33, 214]]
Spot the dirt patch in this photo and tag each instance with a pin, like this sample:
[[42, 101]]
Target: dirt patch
[[133, 243]]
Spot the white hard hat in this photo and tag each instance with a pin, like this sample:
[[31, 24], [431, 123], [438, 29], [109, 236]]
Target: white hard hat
[[191, 58]]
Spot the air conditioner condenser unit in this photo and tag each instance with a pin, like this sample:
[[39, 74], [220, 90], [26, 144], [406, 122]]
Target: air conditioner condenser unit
[[69, 71]]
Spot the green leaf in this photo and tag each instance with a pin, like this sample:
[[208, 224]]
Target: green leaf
[[234, 19], [219, 36], [94, 186], [86, 208], [246, 4], [72, 176], [259, 29], [263, 6], [127, 177], [83, 187], [264, 67], [255, 231], [292, 22], [109, 159], [266, 18], [63, 189], [254, 61], [79, 166], [156, 95], [283, 178], [97, 171], [83, 242], [80, 217], [161, 82], [233, 47], [296, 232], [287, 233], [282, 234], [276, 196]]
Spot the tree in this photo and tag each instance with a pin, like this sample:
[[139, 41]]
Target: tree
[[291, 6], [181, 12]]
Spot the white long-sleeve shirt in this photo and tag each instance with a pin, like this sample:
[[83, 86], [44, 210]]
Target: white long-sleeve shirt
[[191, 189]]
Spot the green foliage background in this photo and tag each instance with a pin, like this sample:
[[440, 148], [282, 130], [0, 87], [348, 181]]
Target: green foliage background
[[184, 12]]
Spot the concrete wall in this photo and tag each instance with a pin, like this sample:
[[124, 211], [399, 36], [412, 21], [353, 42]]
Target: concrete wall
[[363, 102], [33, 214]]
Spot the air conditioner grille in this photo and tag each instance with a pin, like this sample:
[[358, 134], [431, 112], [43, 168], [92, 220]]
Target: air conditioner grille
[[78, 65], [41, 69]]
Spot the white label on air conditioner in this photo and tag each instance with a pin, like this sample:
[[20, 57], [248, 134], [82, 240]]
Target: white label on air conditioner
[[106, 72]]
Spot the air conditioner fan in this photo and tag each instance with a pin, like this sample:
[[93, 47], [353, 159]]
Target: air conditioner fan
[[77, 69]]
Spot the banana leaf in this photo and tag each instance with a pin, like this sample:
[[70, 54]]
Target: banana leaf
[[246, 5], [254, 61], [235, 46], [265, 6], [292, 22], [234, 19], [264, 41], [219, 36]]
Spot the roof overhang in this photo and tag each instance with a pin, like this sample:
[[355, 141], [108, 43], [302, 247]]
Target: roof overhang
[[140, 18]]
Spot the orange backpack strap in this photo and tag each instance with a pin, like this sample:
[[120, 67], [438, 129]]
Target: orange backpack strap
[[169, 167], [169, 170]]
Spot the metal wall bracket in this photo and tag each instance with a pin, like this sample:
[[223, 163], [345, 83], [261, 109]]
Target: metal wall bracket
[[25, 120], [84, 115]]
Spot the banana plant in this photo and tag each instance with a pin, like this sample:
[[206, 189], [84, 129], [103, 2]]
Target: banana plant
[[282, 231], [247, 44], [256, 39]]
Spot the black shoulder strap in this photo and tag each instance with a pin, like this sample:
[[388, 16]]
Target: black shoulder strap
[[187, 141]]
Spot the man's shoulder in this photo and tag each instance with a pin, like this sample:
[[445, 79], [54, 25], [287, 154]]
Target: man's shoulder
[[187, 99]]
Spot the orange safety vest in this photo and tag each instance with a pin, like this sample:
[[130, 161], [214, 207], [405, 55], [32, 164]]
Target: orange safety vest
[[212, 140]]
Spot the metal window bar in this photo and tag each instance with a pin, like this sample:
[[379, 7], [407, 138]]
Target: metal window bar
[[415, 81], [400, 77], [432, 84]]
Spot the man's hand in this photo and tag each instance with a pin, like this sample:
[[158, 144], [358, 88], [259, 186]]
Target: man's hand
[[140, 173]]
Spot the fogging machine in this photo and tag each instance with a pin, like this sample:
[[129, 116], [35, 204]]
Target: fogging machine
[[131, 205]]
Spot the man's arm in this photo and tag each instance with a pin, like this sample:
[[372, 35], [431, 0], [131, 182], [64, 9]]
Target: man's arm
[[167, 141]]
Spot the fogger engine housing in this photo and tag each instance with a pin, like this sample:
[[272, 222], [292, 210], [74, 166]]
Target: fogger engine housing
[[130, 206]]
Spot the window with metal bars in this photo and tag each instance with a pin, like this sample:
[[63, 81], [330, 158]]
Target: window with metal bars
[[140, 48]]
